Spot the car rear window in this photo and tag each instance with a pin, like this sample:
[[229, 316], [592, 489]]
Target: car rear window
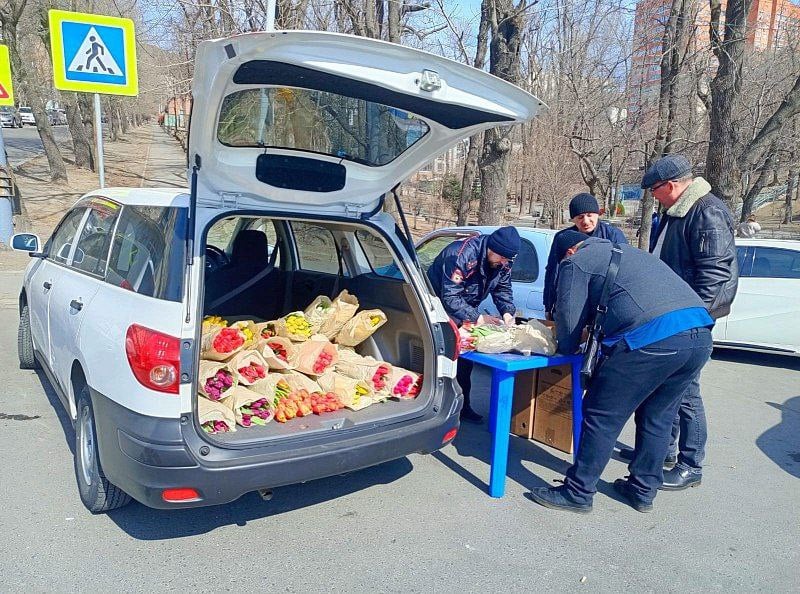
[[775, 263], [147, 255], [317, 121]]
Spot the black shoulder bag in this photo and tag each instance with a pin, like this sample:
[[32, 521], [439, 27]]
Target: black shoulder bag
[[591, 350]]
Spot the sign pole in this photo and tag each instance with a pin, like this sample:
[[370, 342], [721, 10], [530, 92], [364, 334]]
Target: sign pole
[[6, 187], [98, 128], [269, 25]]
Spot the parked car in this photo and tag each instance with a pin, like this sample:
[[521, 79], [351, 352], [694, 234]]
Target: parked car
[[111, 306], [527, 273], [764, 315], [26, 115], [9, 117], [56, 117]]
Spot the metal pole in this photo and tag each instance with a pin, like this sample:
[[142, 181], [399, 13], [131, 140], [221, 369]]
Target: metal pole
[[98, 128], [270, 24], [6, 212]]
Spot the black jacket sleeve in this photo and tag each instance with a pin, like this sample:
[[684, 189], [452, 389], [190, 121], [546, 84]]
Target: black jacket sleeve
[[714, 253], [549, 294], [503, 294], [453, 290], [572, 306]]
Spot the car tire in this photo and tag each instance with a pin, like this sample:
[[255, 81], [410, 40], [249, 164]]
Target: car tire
[[27, 356], [97, 493]]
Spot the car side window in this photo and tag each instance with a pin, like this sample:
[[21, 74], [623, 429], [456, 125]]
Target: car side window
[[316, 248], [776, 263], [427, 252], [148, 251], [60, 243], [267, 226], [91, 253], [526, 264], [742, 260]]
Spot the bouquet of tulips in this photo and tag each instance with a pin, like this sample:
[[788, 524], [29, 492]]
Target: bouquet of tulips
[[273, 387], [318, 311], [264, 330], [354, 394], [215, 417], [316, 355], [344, 307], [404, 384], [221, 344], [360, 327], [248, 367], [300, 381], [530, 337], [296, 404], [294, 326], [211, 323], [365, 368], [248, 328], [215, 379], [278, 352], [250, 407]]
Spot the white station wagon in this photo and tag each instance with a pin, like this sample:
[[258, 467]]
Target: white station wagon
[[297, 139]]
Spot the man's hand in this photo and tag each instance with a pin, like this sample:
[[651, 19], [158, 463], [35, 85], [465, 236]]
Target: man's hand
[[508, 319], [487, 319]]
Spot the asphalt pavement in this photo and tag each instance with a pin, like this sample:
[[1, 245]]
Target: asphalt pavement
[[420, 523], [24, 143]]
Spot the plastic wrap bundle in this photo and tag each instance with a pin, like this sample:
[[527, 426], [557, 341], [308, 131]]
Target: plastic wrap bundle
[[360, 327]]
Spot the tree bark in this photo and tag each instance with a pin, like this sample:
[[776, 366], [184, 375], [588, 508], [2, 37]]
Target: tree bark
[[81, 142], [790, 185]]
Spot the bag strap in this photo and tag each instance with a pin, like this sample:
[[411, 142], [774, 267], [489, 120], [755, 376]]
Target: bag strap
[[611, 276]]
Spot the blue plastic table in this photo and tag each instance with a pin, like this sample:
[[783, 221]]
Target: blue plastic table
[[504, 367]]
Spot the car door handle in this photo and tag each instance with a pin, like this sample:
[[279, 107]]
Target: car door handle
[[75, 304], [47, 285]]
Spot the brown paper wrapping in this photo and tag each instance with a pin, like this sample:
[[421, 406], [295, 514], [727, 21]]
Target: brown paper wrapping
[[266, 387], [243, 359], [345, 307], [268, 325], [210, 410], [209, 369], [240, 396], [360, 327], [397, 374], [247, 325], [309, 351], [300, 381], [275, 363], [361, 367], [207, 350], [315, 316], [283, 329], [345, 388]]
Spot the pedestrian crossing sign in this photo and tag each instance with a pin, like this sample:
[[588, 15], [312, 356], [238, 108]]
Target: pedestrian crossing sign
[[93, 53], [6, 88]]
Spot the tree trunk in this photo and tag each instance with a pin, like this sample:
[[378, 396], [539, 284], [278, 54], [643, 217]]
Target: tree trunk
[[81, 142], [790, 186], [761, 182], [468, 178], [58, 168]]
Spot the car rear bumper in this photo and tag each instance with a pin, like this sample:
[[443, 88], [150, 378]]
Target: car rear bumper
[[145, 455]]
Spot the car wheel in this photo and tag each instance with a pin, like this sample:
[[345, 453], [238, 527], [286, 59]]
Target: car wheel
[[97, 493], [27, 357]]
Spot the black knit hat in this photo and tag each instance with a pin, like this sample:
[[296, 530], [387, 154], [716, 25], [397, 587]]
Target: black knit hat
[[565, 240], [583, 203], [504, 242]]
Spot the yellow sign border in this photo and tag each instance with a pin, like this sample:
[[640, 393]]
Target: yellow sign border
[[5, 76], [57, 17]]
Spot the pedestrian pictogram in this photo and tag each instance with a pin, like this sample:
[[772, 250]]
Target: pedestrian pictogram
[[6, 87], [93, 53]]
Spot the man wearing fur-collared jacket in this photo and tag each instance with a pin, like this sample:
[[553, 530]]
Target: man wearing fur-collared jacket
[[695, 239]]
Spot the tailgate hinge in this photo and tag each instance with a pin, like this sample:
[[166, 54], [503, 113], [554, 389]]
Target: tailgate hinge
[[229, 199], [352, 210]]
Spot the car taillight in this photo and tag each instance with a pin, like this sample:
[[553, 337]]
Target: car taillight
[[456, 348], [450, 435], [154, 358]]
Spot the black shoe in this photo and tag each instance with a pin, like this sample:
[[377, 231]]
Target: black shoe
[[679, 479], [556, 498], [469, 415], [669, 462], [623, 487]]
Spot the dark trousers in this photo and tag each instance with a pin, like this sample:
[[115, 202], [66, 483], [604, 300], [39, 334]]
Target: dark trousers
[[650, 382], [464, 378], [689, 429]]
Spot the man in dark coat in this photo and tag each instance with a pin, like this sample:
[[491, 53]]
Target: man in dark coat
[[463, 275], [656, 339], [695, 239], [585, 214]]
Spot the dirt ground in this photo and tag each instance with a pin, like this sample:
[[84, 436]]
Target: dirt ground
[[44, 202]]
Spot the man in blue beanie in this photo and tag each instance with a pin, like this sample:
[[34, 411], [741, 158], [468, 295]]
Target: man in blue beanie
[[585, 214], [463, 275]]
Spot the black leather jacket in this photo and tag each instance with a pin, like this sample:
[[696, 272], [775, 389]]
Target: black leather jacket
[[699, 247]]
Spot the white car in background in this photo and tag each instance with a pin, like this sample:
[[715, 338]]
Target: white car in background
[[764, 316], [26, 115]]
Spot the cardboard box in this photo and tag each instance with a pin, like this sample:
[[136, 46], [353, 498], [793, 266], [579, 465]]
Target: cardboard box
[[522, 407], [552, 419]]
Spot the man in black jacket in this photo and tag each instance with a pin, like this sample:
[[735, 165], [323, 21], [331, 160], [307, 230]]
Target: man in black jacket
[[695, 239], [657, 338], [584, 212]]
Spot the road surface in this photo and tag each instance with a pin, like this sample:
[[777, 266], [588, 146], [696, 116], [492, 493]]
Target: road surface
[[24, 143]]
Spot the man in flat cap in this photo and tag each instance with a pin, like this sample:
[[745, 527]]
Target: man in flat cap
[[584, 211], [695, 239], [463, 275]]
